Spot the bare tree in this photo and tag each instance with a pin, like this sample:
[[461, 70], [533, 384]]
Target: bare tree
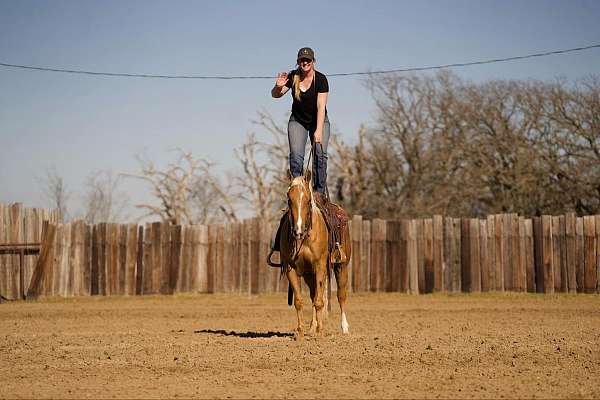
[[187, 191], [55, 192], [103, 202], [263, 181]]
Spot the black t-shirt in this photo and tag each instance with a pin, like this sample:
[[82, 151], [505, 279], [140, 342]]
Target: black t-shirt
[[305, 110]]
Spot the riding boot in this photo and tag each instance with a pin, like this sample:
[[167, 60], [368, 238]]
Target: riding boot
[[276, 246]]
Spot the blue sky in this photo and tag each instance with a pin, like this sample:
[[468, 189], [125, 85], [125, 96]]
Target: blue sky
[[79, 123]]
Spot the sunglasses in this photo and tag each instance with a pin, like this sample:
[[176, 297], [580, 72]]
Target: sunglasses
[[305, 60]]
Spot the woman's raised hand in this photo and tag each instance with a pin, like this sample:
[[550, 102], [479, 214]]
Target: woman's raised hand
[[282, 79]]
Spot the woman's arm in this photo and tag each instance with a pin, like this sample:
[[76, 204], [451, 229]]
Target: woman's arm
[[321, 104], [280, 87]]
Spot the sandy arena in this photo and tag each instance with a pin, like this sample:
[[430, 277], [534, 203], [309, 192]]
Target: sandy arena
[[400, 346]]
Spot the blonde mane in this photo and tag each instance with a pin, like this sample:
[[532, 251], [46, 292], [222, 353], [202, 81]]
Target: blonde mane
[[299, 180]]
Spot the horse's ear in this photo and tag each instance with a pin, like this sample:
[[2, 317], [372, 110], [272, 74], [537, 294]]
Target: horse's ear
[[289, 174], [308, 175]]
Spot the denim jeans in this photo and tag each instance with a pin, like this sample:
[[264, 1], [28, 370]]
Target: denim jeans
[[297, 135]]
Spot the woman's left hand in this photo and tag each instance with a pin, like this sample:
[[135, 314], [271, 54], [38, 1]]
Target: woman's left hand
[[318, 136]]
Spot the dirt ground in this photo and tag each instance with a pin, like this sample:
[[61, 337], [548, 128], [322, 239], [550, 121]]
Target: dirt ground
[[230, 346]]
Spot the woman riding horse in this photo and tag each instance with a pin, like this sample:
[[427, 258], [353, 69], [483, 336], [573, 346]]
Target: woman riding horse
[[309, 115], [308, 254]]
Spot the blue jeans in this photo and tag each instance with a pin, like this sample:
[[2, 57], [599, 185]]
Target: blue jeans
[[297, 135]]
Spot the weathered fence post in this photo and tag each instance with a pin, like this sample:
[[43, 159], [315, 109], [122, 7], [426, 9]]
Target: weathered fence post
[[356, 236], [438, 253], [589, 231]]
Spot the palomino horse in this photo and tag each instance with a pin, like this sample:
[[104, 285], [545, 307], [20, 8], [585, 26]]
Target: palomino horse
[[304, 248]]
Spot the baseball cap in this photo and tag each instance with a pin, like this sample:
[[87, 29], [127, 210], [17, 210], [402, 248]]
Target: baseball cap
[[306, 52]]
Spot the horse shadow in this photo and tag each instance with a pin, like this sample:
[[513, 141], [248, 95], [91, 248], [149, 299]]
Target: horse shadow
[[249, 334]]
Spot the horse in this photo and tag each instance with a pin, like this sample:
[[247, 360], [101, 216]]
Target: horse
[[305, 251]]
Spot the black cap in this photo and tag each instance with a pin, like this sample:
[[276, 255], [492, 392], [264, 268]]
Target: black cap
[[306, 52]]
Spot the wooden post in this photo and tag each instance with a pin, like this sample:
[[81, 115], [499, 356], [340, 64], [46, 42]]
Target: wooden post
[[184, 272], [484, 260], [447, 258], [87, 261], [122, 259], [200, 259], [212, 258], [508, 261], [516, 256], [438, 253], [557, 239], [365, 253], [465, 255], [419, 224], [571, 251], [538, 242], [475, 261], [148, 259], [254, 256], [228, 258], [139, 268], [43, 262], [178, 268], [547, 254], [404, 273], [579, 239], [411, 258], [499, 252], [589, 231], [529, 256], [564, 276], [220, 270], [378, 236], [457, 262], [356, 235], [522, 246], [428, 268], [265, 272], [392, 279], [491, 251], [14, 270], [246, 256]]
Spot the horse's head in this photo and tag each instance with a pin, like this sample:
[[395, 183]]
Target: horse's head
[[300, 205]]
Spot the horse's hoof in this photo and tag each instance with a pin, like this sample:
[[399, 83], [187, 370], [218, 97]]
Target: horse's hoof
[[298, 335]]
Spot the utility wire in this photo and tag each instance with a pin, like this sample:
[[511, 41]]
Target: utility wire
[[413, 69]]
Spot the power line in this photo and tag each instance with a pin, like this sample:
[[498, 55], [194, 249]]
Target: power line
[[413, 69]]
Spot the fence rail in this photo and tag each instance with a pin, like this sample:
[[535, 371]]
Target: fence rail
[[503, 252]]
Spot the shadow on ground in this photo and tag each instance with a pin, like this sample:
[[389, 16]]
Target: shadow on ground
[[252, 335]]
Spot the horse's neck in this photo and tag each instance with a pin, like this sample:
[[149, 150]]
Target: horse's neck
[[316, 215]]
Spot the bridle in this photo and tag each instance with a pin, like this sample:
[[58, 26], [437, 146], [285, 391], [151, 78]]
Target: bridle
[[305, 230]]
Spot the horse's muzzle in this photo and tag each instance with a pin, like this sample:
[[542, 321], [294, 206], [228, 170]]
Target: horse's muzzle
[[299, 235]]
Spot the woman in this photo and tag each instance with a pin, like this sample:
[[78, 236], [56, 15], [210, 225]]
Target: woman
[[308, 119], [309, 115]]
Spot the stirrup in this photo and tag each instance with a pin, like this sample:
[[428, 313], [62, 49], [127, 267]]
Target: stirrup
[[271, 263], [338, 255]]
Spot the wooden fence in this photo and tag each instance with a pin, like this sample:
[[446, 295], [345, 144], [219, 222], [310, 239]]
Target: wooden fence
[[440, 254]]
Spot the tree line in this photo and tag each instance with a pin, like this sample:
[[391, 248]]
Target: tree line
[[439, 145]]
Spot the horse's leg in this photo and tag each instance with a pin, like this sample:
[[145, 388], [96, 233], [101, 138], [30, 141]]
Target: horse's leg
[[294, 280], [320, 281], [312, 286], [341, 277]]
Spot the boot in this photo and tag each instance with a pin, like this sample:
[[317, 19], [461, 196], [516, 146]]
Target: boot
[[338, 255], [275, 246]]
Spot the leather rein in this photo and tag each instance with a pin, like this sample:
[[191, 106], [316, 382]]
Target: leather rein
[[305, 231]]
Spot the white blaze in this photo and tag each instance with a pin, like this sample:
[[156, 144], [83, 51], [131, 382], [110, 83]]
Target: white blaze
[[299, 220]]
